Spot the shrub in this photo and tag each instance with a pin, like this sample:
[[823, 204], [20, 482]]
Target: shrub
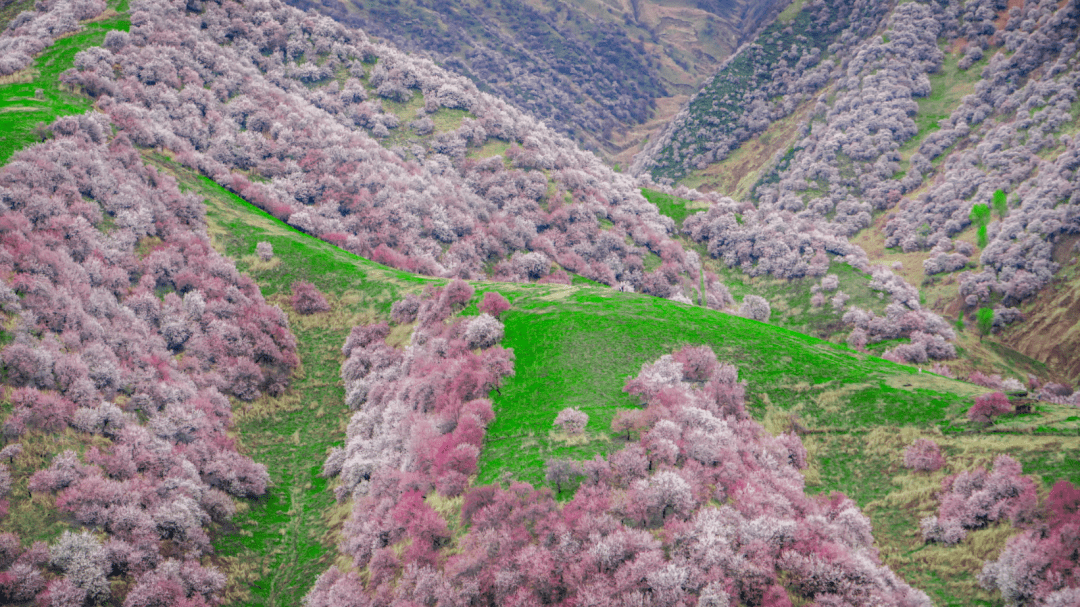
[[560, 471], [571, 421], [980, 215], [984, 318], [755, 307], [494, 304], [457, 293], [989, 406], [1000, 202], [974, 499], [404, 310], [923, 455], [306, 299], [483, 332], [264, 250]]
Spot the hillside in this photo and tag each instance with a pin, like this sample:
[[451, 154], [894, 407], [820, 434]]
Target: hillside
[[218, 390], [596, 71], [912, 134]]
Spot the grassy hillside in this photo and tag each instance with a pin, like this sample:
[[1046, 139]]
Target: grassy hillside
[[575, 346], [34, 97], [277, 545]]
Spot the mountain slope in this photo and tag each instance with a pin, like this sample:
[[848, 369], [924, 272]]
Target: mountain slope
[[593, 70], [854, 413], [912, 132]]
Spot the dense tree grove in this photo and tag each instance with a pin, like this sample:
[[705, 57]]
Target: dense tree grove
[[423, 408], [1028, 160], [765, 241], [846, 164], [842, 167], [644, 526], [107, 275], [973, 500], [599, 79], [1039, 566], [32, 32], [223, 97]]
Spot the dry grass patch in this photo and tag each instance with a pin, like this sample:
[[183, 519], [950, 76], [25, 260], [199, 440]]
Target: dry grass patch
[[25, 76], [257, 266], [832, 401]]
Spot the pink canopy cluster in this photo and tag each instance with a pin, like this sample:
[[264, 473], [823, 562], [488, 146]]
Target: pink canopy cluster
[[226, 97], [974, 499], [1040, 566], [106, 274], [705, 509]]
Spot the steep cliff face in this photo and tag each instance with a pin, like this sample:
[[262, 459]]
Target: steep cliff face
[[596, 71]]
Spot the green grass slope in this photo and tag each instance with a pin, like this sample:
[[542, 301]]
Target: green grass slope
[[35, 96], [578, 347]]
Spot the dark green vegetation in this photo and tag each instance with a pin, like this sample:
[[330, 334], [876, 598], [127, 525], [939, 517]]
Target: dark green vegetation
[[35, 97]]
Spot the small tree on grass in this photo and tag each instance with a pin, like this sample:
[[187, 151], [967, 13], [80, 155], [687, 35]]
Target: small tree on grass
[[560, 471], [988, 406], [624, 421], [572, 421], [984, 318], [923, 455], [458, 293], [265, 251], [755, 307], [306, 299], [1001, 205], [10, 452], [494, 304]]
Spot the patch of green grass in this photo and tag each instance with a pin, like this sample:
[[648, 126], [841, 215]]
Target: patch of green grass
[[579, 280], [867, 466], [45, 98], [788, 14], [578, 350], [447, 119], [676, 208], [790, 299]]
